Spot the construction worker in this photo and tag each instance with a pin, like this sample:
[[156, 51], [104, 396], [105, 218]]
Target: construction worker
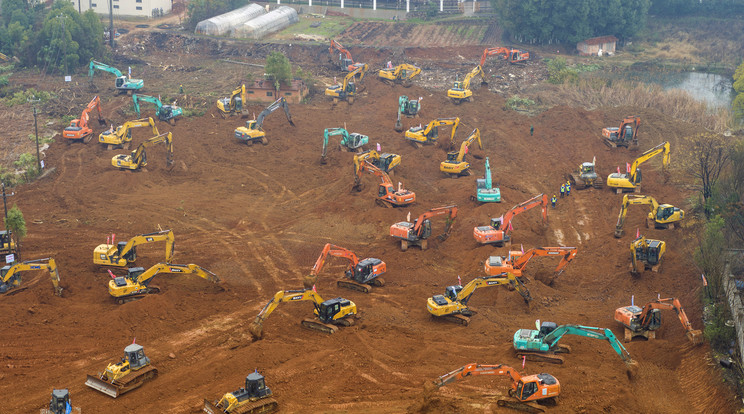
[[563, 190], [532, 130], [553, 200], [180, 89], [568, 188]]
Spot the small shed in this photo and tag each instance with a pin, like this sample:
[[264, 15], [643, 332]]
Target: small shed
[[591, 47], [264, 91]]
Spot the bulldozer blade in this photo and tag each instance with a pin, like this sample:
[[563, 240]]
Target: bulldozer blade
[[210, 408], [695, 336], [102, 386]]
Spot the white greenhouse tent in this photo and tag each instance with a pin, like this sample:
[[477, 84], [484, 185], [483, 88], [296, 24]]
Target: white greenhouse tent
[[271, 22], [225, 23]]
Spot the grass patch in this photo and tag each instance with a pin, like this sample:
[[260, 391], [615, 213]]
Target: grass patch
[[330, 26]]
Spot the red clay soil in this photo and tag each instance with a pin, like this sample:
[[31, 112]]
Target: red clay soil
[[258, 216]]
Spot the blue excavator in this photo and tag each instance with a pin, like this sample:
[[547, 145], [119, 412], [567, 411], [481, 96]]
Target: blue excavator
[[123, 83], [485, 191], [167, 113], [351, 141]]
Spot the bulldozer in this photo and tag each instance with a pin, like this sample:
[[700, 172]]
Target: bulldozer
[[253, 129], [254, 398], [138, 158], [360, 275], [455, 165], [586, 176], [461, 92], [10, 275], [644, 322], [121, 377], [663, 216], [78, 130], [401, 74], [525, 391], [121, 137], [624, 135], [430, 133], [329, 313], [418, 232], [136, 284], [60, 403], [648, 252]]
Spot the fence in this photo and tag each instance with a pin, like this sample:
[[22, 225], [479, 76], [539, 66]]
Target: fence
[[418, 8]]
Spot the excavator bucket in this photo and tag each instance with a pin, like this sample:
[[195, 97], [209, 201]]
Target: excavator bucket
[[695, 336], [256, 329], [102, 386]]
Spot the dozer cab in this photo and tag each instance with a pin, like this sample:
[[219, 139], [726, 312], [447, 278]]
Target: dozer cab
[[131, 372], [60, 403], [255, 398], [586, 176]]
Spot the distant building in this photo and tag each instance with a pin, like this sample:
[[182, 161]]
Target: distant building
[[591, 47], [264, 91], [139, 8]]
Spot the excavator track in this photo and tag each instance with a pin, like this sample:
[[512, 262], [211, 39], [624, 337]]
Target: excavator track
[[540, 357], [353, 286], [317, 325], [124, 384], [151, 290], [458, 319], [13, 291], [378, 282], [520, 406]]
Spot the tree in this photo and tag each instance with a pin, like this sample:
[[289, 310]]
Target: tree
[[706, 157], [738, 104], [278, 67], [67, 38], [709, 256], [17, 225]]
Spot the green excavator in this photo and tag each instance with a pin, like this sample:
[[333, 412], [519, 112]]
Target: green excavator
[[166, 113]]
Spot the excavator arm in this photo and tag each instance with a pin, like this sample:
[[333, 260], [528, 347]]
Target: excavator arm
[[449, 211], [10, 278], [590, 332], [332, 250], [256, 327], [694, 335], [279, 103], [567, 255], [343, 58], [629, 199], [538, 200], [501, 279], [662, 148], [476, 370], [460, 155]]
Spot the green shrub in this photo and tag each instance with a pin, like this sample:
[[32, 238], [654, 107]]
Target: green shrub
[[716, 332], [22, 97], [515, 102], [4, 81]]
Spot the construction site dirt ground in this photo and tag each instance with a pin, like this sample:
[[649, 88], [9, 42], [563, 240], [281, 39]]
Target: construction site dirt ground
[[258, 216]]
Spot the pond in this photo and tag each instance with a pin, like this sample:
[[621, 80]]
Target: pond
[[715, 90]]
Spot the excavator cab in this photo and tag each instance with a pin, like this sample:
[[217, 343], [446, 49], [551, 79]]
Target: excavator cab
[[451, 292], [120, 81], [530, 385], [496, 223], [546, 328], [654, 251], [14, 281], [330, 308], [60, 403], [665, 211]]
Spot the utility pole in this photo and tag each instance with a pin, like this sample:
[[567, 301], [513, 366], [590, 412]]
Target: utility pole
[[38, 153], [64, 42], [5, 204], [111, 23]]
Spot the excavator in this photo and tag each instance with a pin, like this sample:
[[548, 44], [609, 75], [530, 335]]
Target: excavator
[[131, 372], [255, 398], [455, 164], [542, 345], [430, 133], [347, 90], [418, 232], [329, 313], [385, 161], [138, 157], [402, 74], [648, 252], [122, 136], [123, 84], [510, 55], [517, 260], [136, 284], [407, 107], [387, 194], [234, 104], [78, 129], [453, 305], [525, 389], [631, 181], [253, 129], [60, 403], [623, 136], [662, 215], [360, 275], [342, 57], [165, 113], [124, 253], [485, 191], [10, 275], [499, 231], [351, 141], [461, 92], [586, 176], [645, 321], [7, 244]]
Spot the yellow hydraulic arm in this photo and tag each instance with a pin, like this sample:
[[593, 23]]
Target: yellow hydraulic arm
[[628, 200], [461, 90], [138, 157], [10, 278], [136, 283], [430, 133], [402, 73], [632, 180], [123, 253], [123, 133]]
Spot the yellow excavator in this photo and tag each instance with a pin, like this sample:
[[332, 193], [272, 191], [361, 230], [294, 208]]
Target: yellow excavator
[[631, 181], [662, 215], [385, 161], [453, 305], [461, 92], [7, 244], [455, 164], [122, 136], [138, 158], [648, 252], [402, 74], [131, 372], [124, 253], [429, 134], [329, 313], [255, 398], [136, 284], [347, 90], [10, 276], [234, 104], [253, 129]]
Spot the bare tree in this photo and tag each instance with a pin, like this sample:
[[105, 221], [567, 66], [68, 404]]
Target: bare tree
[[704, 158]]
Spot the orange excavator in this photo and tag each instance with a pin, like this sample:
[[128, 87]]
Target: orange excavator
[[360, 273], [78, 129], [624, 135], [525, 389], [342, 57], [418, 232], [510, 55], [517, 260], [387, 195], [645, 321], [499, 231]]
